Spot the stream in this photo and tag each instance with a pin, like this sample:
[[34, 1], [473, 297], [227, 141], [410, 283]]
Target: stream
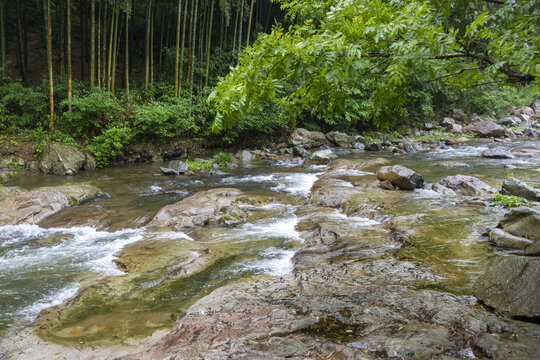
[[45, 265]]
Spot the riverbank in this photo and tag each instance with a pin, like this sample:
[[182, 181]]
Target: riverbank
[[303, 257]]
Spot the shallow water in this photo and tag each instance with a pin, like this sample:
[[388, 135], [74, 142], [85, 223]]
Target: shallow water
[[42, 266]]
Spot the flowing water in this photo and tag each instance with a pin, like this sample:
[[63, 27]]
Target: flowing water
[[42, 266]]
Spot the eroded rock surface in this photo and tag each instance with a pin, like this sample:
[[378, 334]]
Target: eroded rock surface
[[34, 206]]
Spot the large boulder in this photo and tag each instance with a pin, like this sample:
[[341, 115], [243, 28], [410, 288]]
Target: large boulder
[[459, 115], [512, 186], [522, 221], [467, 185], [511, 283], [401, 177], [485, 129], [175, 167], [341, 139], [322, 156], [497, 153], [61, 159], [307, 139], [34, 206]]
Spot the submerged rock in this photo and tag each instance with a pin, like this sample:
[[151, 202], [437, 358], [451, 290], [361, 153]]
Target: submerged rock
[[522, 221], [453, 164], [307, 139], [485, 129], [467, 185], [34, 206], [61, 159], [511, 283], [512, 186], [497, 153], [401, 177]]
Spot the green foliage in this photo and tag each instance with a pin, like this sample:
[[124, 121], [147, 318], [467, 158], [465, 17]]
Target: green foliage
[[198, 165], [110, 143], [223, 159], [21, 107], [43, 137], [92, 112], [364, 61], [510, 201], [167, 119]]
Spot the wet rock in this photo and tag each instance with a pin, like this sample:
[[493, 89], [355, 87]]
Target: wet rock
[[176, 167], [459, 115], [387, 185], [428, 126], [300, 151], [401, 177], [367, 165], [9, 191], [333, 193], [511, 283], [497, 153], [359, 146], [509, 133], [245, 156], [535, 106], [522, 221], [373, 146], [501, 238], [530, 133], [307, 139], [407, 146], [512, 186], [511, 120], [231, 166], [61, 159], [89, 162], [467, 185], [203, 208], [34, 206], [322, 156], [533, 250], [485, 129], [456, 128], [340, 139], [453, 164], [443, 190], [447, 123]]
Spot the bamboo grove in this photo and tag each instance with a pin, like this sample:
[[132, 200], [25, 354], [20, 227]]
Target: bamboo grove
[[113, 45]]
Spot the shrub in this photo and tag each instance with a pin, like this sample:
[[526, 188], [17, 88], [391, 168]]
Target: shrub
[[160, 118], [223, 159], [110, 143], [198, 165], [510, 201]]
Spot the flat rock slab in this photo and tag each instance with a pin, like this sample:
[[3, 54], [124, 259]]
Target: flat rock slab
[[511, 283], [497, 153], [467, 185], [34, 206]]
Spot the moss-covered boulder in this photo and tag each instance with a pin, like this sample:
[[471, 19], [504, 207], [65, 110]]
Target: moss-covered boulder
[[61, 159]]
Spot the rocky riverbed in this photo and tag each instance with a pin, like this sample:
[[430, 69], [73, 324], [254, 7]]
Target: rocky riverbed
[[358, 255]]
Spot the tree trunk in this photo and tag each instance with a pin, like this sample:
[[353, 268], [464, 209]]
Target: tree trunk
[[50, 65], [126, 64], [209, 42], [98, 55], [115, 48], [249, 22], [152, 15], [177, 55], [69, 74], [111, 47], [181, 71], [3, 36], [147, 50], [20, 45], [193, 59], [92, 43], [240, 30]]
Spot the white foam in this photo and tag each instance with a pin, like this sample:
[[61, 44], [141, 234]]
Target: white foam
[[292, 183], [53, 299], [277, 262], [155, 189], [280, 228]]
